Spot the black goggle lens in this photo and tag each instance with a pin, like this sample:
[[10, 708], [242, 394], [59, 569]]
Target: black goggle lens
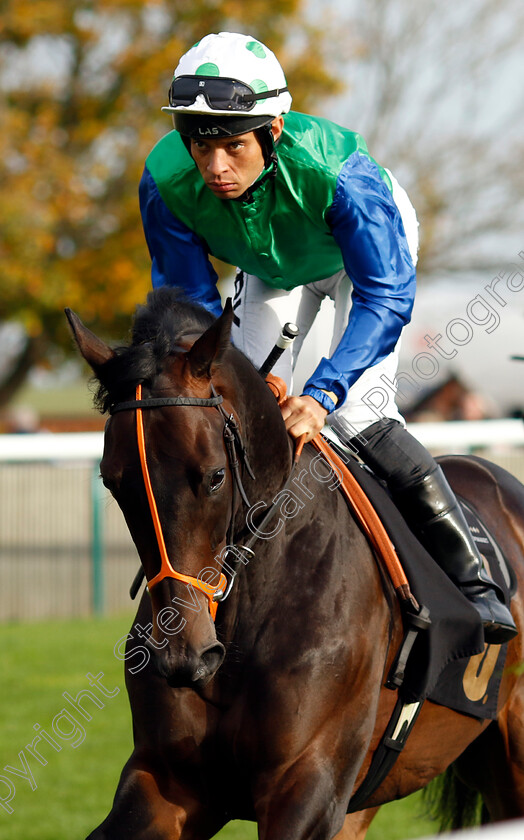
[[220, 94]]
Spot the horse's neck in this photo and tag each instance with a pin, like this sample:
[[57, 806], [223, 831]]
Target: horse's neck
[[267, 442], [269, 451]]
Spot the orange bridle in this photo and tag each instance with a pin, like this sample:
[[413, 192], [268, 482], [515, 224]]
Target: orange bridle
[[234, 447], [212, 593]]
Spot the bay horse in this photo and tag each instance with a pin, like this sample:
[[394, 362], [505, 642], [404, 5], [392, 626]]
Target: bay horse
[[266, 705]]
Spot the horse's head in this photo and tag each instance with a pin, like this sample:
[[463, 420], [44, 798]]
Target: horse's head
[[168, 466]]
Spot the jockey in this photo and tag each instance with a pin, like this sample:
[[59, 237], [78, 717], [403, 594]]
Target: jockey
[[303, 211]]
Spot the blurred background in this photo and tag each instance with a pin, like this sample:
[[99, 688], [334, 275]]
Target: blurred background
[[435, 87]]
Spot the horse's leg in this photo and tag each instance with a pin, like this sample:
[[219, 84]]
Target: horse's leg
[[152, 805], [302, 805], [356, 825], [307, 799]]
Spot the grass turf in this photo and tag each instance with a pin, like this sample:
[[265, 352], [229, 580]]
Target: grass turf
[[68, 795]]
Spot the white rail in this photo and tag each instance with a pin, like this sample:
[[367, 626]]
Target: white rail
[[71, 446], [457, 435], [510, 830], [452, 436]]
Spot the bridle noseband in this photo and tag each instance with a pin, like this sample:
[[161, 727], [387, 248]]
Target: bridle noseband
[[233, 442]]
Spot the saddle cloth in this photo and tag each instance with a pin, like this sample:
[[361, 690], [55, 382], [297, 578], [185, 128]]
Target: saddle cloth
[[449, 663]]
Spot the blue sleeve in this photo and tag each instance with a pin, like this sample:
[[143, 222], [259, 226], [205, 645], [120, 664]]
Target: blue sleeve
[[367, 227], [178, 255]]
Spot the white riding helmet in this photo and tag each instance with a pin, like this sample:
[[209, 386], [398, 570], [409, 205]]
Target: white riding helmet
[[225, 76]]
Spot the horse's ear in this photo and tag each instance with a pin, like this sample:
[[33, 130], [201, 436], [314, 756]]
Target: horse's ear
[[208, 350], [95, 351]]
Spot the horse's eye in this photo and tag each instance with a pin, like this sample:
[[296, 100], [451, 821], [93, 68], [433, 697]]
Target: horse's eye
[[217, 479]]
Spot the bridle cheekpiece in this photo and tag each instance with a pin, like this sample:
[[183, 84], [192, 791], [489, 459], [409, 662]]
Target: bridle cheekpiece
[[233, 441]]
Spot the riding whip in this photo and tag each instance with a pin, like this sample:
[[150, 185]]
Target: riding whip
[[285, 339]]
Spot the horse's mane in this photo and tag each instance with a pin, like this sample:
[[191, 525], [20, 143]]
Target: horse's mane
[[158, 327]]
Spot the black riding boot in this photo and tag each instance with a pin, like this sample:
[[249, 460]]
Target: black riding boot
[[422, 493]]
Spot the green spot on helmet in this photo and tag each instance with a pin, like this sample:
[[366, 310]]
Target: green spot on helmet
[[230, 55], [256, 48], [207, 69]]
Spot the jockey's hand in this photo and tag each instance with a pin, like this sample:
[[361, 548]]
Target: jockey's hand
[[303, 415]]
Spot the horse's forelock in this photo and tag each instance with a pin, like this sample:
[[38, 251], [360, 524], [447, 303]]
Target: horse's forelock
[[166, 316], [157, 329]]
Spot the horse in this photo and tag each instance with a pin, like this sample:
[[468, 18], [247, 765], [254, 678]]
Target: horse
[[266, 705]]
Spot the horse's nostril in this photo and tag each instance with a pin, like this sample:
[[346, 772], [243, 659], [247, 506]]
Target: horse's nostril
[[188, 669], [210, 661]]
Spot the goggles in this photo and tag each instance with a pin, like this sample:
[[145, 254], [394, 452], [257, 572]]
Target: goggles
[[220, 94]]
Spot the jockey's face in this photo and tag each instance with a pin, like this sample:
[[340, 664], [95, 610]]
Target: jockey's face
[[229, 165]]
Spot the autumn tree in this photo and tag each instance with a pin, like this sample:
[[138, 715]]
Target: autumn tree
[[83, 82], [436, 88]]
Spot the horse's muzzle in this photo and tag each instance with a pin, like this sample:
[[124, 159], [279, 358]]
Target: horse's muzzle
[[194, 670]]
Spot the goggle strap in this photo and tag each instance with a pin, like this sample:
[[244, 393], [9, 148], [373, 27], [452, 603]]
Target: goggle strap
[[265, 94]]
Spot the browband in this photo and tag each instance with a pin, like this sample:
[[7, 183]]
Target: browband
[[161, 402]]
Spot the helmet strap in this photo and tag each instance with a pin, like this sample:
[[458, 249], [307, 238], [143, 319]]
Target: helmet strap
[[267, 143], [186, 140], [247, 196], [265, 138]]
